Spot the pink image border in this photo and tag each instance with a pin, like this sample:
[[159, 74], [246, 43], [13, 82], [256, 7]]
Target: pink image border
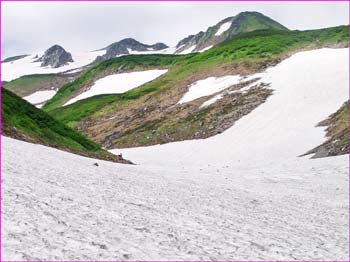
[[177, 260]]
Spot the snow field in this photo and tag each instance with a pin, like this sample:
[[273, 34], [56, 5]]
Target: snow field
[[119, 83], [242, 195], [59, 206]]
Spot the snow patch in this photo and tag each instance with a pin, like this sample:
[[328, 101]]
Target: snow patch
[[209, 86], [40, 97], [242, 90], [188, 50], [212, 100], [119, 83], [223, 28], [150, 51], [205, 49]]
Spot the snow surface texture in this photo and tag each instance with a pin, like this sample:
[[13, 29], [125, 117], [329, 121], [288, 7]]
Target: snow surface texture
[[119, 83], [27, 66], [280, 129], [245, 89], [209, 86], [59, 206], [40, 97], [188, 50], [243, 194], [223, 28]]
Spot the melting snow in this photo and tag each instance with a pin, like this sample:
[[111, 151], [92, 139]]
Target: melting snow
[[209, 86], [281, 128], [224, 27], [242, 90], [119, 83], [40, 97], [205, 49], [212, 100], [150, 51], [188, 50]]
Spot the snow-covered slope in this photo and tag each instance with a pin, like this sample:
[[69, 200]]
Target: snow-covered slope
[[243, 194], [308, 87], [27, 66], [209, 86], [59, 206], [40, 97], [119, 83]]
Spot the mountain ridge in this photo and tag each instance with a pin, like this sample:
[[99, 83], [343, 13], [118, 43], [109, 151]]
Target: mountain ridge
[[125, 46], [226, 29]]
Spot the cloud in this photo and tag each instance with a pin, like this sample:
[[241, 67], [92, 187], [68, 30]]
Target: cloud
[[28, 27]]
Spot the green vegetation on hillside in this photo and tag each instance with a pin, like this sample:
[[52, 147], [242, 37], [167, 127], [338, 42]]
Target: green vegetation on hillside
[[125, 63], [256, 21], [29, 84], [252, 50], [267, 44], [23, 121]]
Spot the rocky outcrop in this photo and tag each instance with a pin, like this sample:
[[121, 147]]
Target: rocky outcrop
[[55, 57], [190, 41], [227, 29], [126, 45], [337, 135]]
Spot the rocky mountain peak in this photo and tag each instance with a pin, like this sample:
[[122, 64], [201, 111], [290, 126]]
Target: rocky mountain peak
[[124, 46], [226, 29], [55, 56]]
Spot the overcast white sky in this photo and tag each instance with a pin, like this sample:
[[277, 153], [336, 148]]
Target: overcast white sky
[[28, 27]]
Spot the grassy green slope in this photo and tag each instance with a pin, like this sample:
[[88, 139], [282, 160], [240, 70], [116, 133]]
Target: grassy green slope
[[28, 84], [23, 121], [252, 21], [266, 44], [256, 49], [125, 63]]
